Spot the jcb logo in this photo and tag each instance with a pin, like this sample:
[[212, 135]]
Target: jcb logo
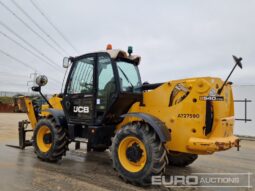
[[81, 109]]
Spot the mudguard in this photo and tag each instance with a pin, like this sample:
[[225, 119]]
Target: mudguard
[[159, 127], [59, 116]]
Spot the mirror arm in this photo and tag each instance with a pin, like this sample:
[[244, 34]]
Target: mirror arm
[[220, 90], [38, 89], [45, 99], [237, 63]]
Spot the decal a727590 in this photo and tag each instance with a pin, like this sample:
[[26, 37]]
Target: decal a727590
[[188, 115]]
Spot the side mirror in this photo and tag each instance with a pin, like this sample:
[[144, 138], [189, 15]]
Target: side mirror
[[66, 62], [36, 88], [41, 80]]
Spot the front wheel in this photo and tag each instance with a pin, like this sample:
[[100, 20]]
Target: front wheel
[[50, 140], [138, 153]]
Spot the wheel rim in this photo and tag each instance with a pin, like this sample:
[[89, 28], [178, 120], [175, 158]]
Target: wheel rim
[[42, 134], [132, 154]]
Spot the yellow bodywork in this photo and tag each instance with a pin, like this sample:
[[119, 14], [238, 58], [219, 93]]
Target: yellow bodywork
[[187, 133], [55, 101], [30, 112]]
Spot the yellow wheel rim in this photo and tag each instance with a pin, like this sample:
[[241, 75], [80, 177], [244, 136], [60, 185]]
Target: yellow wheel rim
[[44, 147], [128, 143]]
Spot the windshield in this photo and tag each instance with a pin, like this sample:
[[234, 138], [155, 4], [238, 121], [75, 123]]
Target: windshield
[[129, 77]]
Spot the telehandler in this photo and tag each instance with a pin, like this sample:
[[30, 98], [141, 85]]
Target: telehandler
[[146, 126]]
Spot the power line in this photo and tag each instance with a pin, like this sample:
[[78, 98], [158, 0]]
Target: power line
[[14, 84], [17, 60], [25, 48], [38, 26], [23, 63], [3, 74], [33, 77], [51, 62], [30, 28], [52, 82], [51, 23]]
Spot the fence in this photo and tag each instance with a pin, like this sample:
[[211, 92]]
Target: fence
[[6, 108], [11, 94], [245, 101]]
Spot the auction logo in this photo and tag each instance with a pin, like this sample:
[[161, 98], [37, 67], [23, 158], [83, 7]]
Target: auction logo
[[240, 180]]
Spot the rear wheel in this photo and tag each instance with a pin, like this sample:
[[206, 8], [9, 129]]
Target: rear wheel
[[181, 159], [50, 140], [138, 154]]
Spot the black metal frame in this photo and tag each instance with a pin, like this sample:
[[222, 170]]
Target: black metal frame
[[245, 101], [23, 129]]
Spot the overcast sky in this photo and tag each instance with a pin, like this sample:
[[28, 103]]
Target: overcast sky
[[176, 39]]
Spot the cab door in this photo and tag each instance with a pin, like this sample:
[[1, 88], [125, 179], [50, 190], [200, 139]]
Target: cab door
[[79, 96], [106, 86]]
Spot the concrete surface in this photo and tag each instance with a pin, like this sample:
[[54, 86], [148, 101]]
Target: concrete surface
[[21, 170]]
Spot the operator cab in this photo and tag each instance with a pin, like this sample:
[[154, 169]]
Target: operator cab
[[101, 87]]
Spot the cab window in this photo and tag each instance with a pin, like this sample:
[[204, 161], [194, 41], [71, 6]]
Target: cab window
[[81, 79], [129, 77], [106, 81]]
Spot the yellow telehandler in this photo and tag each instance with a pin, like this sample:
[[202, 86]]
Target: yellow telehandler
[[147, 126]]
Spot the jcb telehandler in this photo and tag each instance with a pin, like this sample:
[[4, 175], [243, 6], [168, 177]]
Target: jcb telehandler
[[146, 126]]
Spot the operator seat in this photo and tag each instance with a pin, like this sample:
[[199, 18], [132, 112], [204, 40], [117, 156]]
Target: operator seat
[[109, 89]]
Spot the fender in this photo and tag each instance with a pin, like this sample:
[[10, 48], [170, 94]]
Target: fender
[[59, 116], [158, 126]]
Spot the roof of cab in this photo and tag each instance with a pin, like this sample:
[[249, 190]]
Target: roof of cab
[[117, 53]]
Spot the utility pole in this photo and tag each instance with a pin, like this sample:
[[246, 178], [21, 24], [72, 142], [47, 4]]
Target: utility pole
[[33, 77]]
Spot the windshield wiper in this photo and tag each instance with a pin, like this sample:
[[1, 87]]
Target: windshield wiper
[[126, 77]]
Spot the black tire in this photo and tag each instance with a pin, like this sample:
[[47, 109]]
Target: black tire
[[156, 154], [181, 159], [59, 141]]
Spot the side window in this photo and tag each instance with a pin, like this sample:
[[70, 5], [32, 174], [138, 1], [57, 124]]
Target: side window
[[81, 80], [129, 76], [106, 82]]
